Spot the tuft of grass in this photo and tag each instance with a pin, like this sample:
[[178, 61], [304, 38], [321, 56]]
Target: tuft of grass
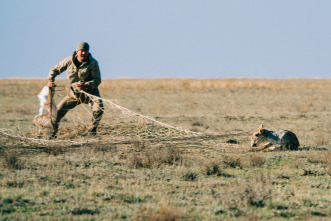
[[214, 168], [197, 124], [257, 197], [233, 161], [164, 213], [15, 184], [54, 149], [103, 149], [257, 160], [83, 210], [309, 172], [319, 158], [190, 176], [155, 156], [136, 161], [12, 160], [323, 159], [139, 144], [257, 193]]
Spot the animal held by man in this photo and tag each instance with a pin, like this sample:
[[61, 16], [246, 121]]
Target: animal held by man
[[266, 140], [47, 111]]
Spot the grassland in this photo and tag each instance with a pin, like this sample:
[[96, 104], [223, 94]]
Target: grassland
[[138, 170]]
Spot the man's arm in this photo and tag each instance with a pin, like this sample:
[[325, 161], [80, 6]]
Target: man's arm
[[56, 70], [96, 77]]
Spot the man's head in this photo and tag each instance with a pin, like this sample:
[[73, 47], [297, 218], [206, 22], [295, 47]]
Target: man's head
[[82, 51]]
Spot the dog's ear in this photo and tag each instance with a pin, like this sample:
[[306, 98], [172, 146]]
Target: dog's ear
[[261, 126], [262, 131]]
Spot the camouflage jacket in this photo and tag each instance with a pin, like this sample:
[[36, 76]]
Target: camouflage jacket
[[87, 72]]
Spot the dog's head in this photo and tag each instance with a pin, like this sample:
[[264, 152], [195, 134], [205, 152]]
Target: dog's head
[[259, 136]]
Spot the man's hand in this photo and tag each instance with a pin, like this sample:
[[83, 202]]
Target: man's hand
[[50, 84], [81, 86]]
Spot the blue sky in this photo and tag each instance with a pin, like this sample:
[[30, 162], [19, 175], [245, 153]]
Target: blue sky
[[172, 38]]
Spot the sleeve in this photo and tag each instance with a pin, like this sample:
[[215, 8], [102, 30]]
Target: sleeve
[[58, 69], [95, 76]]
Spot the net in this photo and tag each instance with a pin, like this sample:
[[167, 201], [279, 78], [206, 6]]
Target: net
[[118, 125]]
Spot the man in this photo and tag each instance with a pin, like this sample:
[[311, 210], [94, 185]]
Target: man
[[84, 75]]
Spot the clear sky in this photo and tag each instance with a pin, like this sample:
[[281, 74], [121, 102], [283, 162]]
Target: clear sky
[[169, 38]]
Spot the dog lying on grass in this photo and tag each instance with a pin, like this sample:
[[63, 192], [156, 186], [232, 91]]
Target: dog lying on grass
[[266, 140]]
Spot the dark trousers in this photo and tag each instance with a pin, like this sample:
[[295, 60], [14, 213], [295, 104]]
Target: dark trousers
[[75, 98]]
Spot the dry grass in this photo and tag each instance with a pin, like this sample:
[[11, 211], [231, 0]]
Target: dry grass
[[154, 156], [12, 159], [164, 213], [11, 86], [257, 160], [193, 85], [257, 193], [234, 161], [138, 170]]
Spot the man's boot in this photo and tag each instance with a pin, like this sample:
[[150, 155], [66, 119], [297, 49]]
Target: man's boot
[[95, 122], [55, 130], [92, 131]]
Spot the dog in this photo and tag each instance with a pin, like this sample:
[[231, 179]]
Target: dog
[[266, 140]]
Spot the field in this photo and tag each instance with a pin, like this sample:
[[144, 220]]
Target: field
[[201, 168]]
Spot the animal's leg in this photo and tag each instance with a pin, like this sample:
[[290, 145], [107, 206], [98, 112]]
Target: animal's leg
[[264, 146], [292, 147], [271, 148]]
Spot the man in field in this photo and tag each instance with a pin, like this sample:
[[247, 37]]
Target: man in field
[[84, 75]]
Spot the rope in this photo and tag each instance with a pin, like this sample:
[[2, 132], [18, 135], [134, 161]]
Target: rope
[[203, 137], [127, 111], [2, 131]]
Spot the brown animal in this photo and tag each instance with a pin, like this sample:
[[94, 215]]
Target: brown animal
[[266, 140]]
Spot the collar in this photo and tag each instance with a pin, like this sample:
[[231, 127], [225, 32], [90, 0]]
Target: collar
[[89, 58]]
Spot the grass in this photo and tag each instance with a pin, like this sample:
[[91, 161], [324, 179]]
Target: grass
[[137, 170]]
